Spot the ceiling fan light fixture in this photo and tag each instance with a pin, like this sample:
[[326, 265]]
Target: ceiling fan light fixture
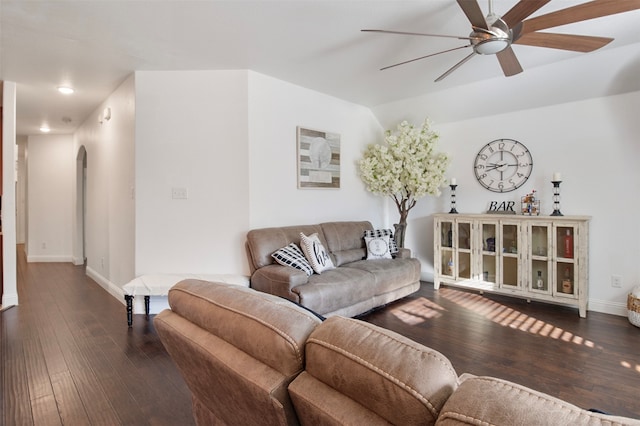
[[491, 41], [491, 46]]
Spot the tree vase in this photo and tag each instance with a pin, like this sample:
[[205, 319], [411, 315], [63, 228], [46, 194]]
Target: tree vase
[[399, 233], [400, 228]]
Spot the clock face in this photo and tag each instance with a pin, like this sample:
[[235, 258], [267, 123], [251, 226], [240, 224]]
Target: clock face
[[503, 165]]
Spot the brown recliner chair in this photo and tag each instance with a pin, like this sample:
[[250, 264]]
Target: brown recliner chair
[[237, 350]]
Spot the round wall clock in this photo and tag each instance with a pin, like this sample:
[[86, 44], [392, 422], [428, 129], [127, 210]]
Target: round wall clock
[[503, 165]]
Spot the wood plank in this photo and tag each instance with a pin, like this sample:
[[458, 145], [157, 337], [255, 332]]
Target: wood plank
[[15, 388], [70, 406]]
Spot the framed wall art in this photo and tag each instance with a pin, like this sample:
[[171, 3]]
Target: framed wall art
[[318, 159]]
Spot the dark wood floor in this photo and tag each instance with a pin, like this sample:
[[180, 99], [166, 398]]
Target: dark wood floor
[[67, 356], [592, 362]]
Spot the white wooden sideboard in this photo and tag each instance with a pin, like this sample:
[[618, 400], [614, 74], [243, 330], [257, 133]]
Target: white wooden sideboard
[[542, 258]]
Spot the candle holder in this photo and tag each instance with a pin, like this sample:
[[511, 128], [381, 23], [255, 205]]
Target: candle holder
[[453, 199], [556, 198]]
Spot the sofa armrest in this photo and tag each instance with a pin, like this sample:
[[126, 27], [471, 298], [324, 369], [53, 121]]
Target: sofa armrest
[[403, 253], [279, 280]]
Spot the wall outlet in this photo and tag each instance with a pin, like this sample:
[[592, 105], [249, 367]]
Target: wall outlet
[[179, 193], [616, 281]]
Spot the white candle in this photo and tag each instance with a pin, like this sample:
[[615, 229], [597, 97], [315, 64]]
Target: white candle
[[557, 177], [453, 181]]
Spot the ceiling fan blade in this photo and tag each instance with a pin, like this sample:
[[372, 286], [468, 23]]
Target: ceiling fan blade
[[471, 8], [581, 12], [516, 32], [509, 63], [522, 10], [423, 57], [576, 43], [415, 34], [455, 67]]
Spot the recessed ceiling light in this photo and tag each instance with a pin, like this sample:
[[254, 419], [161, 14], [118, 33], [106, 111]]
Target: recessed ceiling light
[[45, 129], [66, 90]]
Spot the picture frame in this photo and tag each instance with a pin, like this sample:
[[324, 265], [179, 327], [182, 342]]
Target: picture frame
[[318, 154]]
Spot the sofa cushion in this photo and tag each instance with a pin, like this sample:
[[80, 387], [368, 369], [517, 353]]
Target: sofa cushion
[[247, 319], [237, 349], [291, 255], [345, 237], [262, 243], [336, 289], [348, 256], [492, 401], [316, 253], [389, 274], [366, 366]]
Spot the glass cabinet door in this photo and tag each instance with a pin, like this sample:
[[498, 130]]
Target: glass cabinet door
[[564, 242], [565, 266], [489, 258], [540, 271], [463, 238], [565, 279], [509, 255], [446, 249]]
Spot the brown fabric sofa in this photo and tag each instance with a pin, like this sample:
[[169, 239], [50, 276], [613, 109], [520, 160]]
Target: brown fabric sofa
[[252, 358], [352, 288]]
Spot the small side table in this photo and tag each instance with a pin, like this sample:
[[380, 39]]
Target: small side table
[[160, 284]]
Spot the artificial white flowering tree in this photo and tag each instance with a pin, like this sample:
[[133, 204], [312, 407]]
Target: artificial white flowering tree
[[405, 168]]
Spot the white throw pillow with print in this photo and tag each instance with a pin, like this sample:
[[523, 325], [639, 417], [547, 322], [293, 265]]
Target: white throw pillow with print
[[378, 247], [315, 253]]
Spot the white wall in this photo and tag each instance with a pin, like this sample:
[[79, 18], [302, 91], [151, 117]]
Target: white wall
[[276, 108], [21, 191], [9, 273], [110, 190], [191, 133], [50, 198], [593, 143]]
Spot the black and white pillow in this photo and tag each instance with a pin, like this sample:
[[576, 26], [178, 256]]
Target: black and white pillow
[[291, 255], [393, 247], [315, 253], [378, 247]]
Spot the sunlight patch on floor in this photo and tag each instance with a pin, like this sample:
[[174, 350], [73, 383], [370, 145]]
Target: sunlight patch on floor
[[417, 311], [512, 318], [629, 365]]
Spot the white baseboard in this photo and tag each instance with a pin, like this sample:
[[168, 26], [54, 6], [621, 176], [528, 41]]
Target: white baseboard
[[50, 259], [156, 303], [9, 299], [110, 287], [607, 307]]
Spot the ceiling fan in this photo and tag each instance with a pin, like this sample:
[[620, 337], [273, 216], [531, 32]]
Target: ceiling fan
[[494, 35]]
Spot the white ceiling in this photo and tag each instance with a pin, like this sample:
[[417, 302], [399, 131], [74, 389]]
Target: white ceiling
[[93, 45]]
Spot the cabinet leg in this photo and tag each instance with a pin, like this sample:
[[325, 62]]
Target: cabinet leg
[[436, 285], [583, 310], [129, 300]]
